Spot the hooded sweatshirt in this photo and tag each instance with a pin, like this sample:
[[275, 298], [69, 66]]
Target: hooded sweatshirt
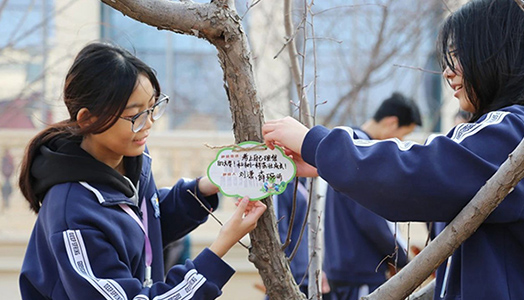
[[404, 181], [97, 230]]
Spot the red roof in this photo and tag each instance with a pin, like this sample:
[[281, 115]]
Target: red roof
[[13, 114]]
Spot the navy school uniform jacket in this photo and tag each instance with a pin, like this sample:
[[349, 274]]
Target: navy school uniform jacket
[[404, 181], [85, 246], [359, 243]]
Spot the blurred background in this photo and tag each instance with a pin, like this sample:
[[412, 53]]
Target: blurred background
[[359, 53]]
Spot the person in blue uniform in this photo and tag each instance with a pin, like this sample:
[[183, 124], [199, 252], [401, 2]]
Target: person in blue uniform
[[482, 54], [102, 222], [360, 246]]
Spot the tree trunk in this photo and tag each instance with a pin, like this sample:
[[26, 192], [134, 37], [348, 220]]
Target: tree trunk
[[218, 23]]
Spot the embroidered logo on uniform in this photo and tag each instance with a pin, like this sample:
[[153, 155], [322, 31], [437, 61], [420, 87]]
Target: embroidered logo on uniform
[[465, 130], [156, 205]]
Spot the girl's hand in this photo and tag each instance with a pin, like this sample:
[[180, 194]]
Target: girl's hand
[[206, 188], [286, 132], [243, 220], [303, 168]]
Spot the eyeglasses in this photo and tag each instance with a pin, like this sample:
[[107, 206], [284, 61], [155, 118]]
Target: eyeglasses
[[139, 120], [451, 58]]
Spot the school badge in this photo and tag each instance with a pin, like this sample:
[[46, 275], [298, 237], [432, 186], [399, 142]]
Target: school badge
[[156, 205]]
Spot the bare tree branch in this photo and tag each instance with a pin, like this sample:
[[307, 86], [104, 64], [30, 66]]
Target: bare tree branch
[[392, 41], [249, 8], [287, 241], [186, 17], [21, 22], [305, 115], [13, 42], [2, 7], [212, 214]]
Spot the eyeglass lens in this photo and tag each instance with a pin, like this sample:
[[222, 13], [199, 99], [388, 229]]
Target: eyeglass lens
[[156, 112]]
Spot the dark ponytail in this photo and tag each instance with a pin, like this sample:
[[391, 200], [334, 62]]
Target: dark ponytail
[[25, 181]]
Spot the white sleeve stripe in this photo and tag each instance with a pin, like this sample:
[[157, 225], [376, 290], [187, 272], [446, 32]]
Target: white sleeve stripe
[[185, 289], [79, 260], [461, 132], [349, 130], [401, 145]]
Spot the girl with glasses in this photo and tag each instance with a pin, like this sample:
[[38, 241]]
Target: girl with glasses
[[102, 222], [482, 53]]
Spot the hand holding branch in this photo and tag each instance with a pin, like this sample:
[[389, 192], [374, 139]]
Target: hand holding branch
[[243, 220]]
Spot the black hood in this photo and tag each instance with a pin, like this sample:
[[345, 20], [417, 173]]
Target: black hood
[[62, 160]]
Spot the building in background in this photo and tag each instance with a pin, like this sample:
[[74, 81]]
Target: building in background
[[38, 39]]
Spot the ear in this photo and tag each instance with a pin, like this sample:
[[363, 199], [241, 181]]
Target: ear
[[390, 122], [84, 118]]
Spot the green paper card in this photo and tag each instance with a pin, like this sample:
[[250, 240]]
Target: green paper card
[[252, 170]]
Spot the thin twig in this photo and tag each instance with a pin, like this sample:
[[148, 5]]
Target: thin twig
[[21, 21], [288, 40], [310, 260], [417, 68], [345, 6], [238, 148], [430, 228], [325, 38], [280, 220], [306, 273], [394, 254], [287, 241], [304, 224], [408, 238], [2, 6], [36, 26], [446, 5], [211, 213], [249, 8]]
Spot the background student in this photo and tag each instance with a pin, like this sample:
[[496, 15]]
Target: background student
[[359, 244]]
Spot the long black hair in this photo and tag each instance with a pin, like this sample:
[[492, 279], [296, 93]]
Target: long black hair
[[102, 78], [487, 38]]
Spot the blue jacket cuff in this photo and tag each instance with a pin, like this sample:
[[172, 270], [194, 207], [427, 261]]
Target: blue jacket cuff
[[310, 144], [213, 267]]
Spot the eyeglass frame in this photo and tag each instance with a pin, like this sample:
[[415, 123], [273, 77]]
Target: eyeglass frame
[[450, 57], [161, 98]]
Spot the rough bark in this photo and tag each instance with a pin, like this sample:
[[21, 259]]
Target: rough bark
[[462, 227], [218, 23]]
